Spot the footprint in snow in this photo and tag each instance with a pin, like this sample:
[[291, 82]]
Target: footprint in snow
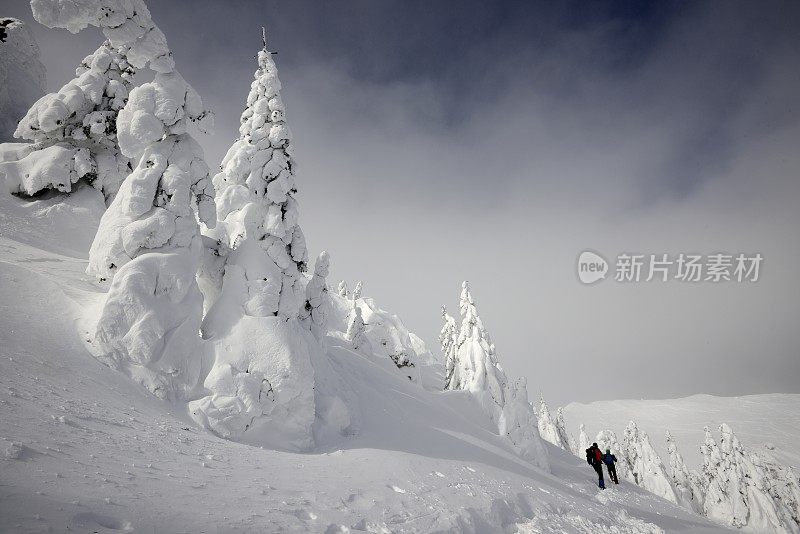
[[396, 489], [471, 470], [438, 474]]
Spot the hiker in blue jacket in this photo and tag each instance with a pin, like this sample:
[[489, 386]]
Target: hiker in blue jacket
[[609, 459]]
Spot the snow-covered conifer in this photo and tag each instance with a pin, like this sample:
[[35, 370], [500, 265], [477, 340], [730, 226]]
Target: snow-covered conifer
[[342, 289], [690, 495], [547, 427], [645, 464], [357, 291], [149, 238], [566, 438], [716, 504], [518, 423], [479, 372], [476, 361], [583, 441], [356, 331], [256, 207], [262, 382], [74, 130], [746, 490], [448, 338]]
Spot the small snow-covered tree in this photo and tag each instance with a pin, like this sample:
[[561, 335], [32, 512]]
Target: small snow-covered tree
[[356, 330], [342, 289], [583, 441], [566, 438], [716, 504], [547, 427], [74, 130], [314, 313], [357, 291], [149, 238], [479, 372], [476, 361], [645, 464], [518, 423], [690, 495], [448, 338]]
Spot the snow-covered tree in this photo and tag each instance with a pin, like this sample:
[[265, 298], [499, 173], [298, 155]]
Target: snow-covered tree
[[547, 426], [357, 291], [745, 490], [476, 362], [645, 464], [689, 493], [256, 207], [342, 289], [478, 371], [149, 238], [518, 423], [716, 504], [356, 331], [566, 438], [448, 338], [262, 382], [74, 130], [782, 485], [314, 313], [583, 441], [22, 75]]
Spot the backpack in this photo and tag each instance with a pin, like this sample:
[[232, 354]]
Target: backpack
[[589, 454], [598, 455]]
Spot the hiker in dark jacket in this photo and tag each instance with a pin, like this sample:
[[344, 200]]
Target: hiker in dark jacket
[[594, 457], [609, 459]]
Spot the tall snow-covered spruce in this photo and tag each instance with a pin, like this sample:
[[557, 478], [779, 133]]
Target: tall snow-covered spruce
[[262, 381], [686, 483], [448, 338], [148, 239], [480, 373]]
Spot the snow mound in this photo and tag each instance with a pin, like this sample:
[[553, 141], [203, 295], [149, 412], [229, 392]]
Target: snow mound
[[262, 384]]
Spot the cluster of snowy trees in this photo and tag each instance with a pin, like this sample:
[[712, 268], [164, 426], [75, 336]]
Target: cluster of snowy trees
[[735, 487], [471, 364], [240, 352]]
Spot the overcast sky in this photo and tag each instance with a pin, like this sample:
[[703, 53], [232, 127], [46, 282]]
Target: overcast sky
[[495, 141]]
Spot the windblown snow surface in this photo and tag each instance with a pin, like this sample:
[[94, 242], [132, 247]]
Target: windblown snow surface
[[768, 423], [83, 448]]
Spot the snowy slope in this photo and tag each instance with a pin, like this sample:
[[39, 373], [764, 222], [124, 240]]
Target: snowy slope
[[758, 420], [87, 449]]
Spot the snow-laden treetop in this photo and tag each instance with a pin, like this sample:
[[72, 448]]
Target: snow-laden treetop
[[124, 23]]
